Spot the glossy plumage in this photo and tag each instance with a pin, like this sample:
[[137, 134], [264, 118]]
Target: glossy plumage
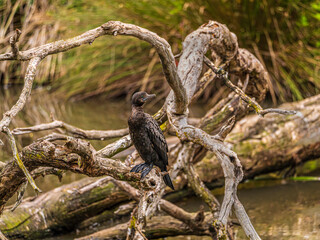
[[148, 139]]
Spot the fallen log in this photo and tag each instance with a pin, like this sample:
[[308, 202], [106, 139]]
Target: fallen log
[[61, 209], [264, 145], [272, 143], [159, 227]]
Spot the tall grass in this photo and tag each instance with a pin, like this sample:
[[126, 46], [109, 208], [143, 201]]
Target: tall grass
[[37, 29], [284, 35]]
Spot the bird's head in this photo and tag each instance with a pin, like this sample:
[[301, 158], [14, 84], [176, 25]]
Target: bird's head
[[139, 98]]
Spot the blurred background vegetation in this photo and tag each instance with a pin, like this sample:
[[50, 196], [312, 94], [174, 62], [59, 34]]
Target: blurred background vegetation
[[283, 34]]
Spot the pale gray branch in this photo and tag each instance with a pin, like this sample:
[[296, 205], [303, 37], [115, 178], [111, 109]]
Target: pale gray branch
[[164, 50], [115, 28], [115, 147], [29, 77], [76, 132]]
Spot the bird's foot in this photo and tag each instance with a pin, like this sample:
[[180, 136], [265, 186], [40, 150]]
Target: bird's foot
[[138, 168], [146, 171]]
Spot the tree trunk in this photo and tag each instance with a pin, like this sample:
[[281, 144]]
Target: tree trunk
[[264, 145]]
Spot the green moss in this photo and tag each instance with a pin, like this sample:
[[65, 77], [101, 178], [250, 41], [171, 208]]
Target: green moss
[[133, 222]]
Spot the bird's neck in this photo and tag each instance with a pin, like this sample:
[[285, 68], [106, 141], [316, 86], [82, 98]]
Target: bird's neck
[[137, 108]]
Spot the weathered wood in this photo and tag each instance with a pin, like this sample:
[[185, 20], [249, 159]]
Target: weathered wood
[[80, 156], [61, 209], [273, 142], [159, 227], [264, 145]]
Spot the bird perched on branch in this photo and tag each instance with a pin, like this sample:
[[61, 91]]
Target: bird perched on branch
[[148, 138]]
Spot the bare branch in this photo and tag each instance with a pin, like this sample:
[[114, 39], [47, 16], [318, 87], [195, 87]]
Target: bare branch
[[115, 28], [164, 50], [251, 102], [76, 132], [53, 137], [56, 47], [30, 74], [116, 147], [276, 110]]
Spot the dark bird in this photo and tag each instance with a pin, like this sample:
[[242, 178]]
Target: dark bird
[[148, 139]]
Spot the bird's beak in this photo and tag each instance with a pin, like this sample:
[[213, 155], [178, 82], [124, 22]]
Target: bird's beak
[[150, 96]]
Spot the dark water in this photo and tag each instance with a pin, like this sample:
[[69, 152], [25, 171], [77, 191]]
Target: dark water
[[278, 210], [284, 210]]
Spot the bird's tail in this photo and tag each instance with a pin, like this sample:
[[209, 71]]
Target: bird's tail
[[167, 181]]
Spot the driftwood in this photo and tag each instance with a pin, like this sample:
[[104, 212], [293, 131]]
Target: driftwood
[[79, 156], [159, 227], [99, 199]]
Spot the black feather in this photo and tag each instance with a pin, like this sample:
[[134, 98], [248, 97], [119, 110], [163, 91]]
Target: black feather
[[148, 139]]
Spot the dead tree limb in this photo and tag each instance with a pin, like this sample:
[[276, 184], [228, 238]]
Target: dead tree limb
[[74, 131], [28, 81], [159, 227], [260, 150], [79, 156]]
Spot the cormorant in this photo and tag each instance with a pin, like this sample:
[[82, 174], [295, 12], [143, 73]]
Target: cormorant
[[148, 138]]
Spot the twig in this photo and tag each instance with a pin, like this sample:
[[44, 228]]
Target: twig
[[54, 137], [140, 232], [76, 132], [13, 42], [18, 160], [251, 102]]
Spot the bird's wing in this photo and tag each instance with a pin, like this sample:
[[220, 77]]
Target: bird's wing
[[157, 138]]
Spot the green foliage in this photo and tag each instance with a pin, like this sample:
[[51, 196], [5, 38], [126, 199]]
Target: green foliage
[[284, 35]]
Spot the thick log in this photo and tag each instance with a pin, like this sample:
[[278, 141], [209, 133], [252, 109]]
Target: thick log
[[159, 227], [272, 143], [264, 144], [61, 209]]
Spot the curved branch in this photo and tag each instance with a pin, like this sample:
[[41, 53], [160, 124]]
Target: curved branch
[[28, 80], [164, 50], [115, 28]]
